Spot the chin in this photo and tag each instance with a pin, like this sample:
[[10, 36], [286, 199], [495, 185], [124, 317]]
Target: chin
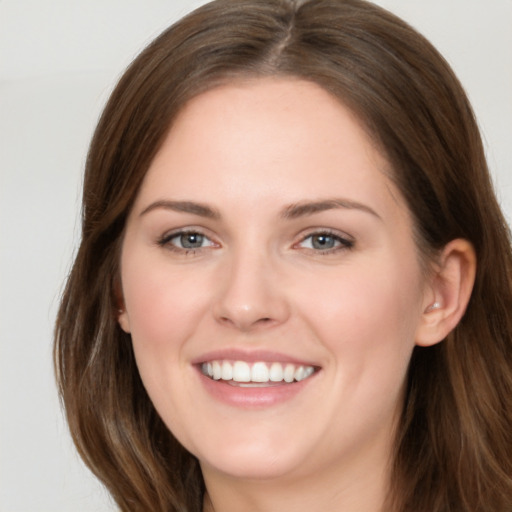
[[250, 467], [256, 455]]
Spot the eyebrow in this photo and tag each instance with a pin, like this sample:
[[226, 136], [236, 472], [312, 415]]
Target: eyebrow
[[202, 210], [293, 211], [301, 209]]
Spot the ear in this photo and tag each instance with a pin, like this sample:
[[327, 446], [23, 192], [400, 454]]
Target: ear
[[121, 313], [124, 320], [449, 293]]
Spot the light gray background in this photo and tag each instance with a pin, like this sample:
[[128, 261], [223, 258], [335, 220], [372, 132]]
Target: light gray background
[[58, 61]]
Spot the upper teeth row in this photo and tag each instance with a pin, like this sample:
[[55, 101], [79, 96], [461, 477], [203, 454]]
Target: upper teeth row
[[241, 371]]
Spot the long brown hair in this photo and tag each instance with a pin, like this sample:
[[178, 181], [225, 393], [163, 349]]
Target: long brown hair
[[454, 443]]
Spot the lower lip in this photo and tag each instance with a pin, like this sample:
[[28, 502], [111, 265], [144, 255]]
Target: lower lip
[[249, 397]]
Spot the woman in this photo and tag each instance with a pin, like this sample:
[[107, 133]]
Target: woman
[[294, 283]]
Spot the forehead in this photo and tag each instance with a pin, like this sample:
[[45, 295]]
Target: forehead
[[266, 139], [289, 107]]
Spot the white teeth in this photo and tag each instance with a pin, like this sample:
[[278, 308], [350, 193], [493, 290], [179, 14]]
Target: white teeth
[[299, 373], [227, 371], [241, 372], [289, 373], [276, 372], [259, 372], [217, 370], [303, 372], [308, 371]]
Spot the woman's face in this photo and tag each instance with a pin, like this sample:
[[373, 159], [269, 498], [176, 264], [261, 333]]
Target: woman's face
[[267, 245]]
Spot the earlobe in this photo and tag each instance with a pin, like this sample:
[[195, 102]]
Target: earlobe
[[121, 314], [123, 320], [450, 292]]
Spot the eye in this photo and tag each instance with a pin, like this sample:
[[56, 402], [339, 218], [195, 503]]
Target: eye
[[325, 242], [186, 241], [189, 240]]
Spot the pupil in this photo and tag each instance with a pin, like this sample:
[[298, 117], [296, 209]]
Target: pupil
[[191, 240], [323, 242]]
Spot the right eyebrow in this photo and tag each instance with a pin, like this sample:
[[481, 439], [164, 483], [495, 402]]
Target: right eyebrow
[[200, 209]]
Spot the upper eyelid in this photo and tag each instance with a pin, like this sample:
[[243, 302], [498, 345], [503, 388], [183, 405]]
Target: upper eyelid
[[183, 231], [326, 231]]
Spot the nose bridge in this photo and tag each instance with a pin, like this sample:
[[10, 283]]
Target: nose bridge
[[250, 294]]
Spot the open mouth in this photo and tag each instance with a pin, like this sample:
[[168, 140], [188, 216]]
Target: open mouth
[[258, 374]]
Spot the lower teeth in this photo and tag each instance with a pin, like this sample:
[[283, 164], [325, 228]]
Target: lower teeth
[[254, 384]]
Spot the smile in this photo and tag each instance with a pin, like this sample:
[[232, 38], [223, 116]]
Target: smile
[[242, 373]]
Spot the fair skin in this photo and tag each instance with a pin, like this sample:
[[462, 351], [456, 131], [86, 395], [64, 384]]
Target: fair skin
[[267, 234]]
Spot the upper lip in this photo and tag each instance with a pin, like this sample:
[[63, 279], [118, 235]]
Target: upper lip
[[250, 356]]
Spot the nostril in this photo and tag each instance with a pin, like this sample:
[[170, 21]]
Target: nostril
[[266, 321], [248, 324]]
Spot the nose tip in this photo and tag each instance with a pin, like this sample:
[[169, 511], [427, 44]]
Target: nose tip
[[250, 299]]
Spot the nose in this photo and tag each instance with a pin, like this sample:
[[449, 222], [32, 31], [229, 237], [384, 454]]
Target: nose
[[251, 294]]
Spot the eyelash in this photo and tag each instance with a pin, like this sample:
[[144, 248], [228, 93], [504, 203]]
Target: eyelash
[[341, 243], [166, 241]]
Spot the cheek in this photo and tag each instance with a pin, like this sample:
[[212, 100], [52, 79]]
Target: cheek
[[164, 305], [164, 308], [367, 315]]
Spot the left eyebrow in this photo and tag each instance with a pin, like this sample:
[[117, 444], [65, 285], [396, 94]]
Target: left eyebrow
[[304, 208]]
